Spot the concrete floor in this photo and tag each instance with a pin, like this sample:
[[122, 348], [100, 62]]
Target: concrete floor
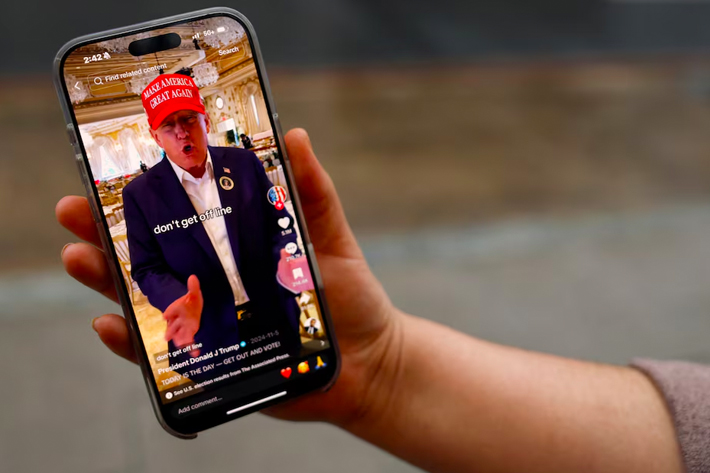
[[581, 231]]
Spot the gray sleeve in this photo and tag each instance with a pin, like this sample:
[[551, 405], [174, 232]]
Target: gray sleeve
[[686, 388]]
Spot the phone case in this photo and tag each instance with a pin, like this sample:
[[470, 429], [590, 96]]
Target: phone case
[[85, 173]]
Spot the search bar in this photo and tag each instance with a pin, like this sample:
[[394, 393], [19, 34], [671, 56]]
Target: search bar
[[104, 79], [108, 84]]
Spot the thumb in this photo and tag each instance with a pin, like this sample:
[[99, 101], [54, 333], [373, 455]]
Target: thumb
[[193, 286], [329, 229]]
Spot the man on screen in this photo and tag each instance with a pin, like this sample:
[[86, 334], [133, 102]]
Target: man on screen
[[205, 273]]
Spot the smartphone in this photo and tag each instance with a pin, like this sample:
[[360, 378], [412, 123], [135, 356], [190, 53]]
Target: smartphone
[[179, 146]]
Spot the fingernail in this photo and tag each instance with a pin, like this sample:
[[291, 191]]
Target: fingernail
[[65, 247], [93, 322]]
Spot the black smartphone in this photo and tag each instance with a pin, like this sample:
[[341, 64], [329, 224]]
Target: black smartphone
[[179, 147]]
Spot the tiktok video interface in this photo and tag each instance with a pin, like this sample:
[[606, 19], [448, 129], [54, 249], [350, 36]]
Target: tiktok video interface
[[188, 172]]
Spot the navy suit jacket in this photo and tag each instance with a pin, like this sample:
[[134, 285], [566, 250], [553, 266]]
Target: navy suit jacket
[[161, 263]]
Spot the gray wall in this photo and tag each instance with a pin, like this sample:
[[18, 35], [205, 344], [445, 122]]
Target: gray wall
[[323, 32]]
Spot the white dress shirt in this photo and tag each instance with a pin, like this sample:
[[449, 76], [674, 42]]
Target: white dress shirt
[[204, 196]]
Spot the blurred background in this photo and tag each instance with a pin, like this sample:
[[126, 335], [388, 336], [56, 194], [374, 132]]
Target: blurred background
[[532, 172]]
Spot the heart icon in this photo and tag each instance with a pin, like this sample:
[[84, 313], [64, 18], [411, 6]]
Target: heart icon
[[286, 372], [283, 222]]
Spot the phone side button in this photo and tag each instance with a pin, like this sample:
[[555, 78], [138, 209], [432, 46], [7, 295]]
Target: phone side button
[[316, 269], [278, 123], [92, 206], [95, 215], [279, 132], [89, 187], [72, 137], [256, 403]]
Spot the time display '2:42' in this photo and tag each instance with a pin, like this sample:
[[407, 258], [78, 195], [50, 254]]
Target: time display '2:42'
[[96, 57]]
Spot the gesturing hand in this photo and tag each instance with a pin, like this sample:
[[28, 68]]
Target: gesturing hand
[[183, 316]]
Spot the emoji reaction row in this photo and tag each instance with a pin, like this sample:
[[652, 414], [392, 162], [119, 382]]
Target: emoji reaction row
[[303, 367]]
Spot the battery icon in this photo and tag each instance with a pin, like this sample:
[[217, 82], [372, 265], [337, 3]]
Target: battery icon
[[221, 29]]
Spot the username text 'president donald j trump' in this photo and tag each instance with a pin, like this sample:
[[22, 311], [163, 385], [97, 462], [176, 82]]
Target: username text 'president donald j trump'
[[202, 274]]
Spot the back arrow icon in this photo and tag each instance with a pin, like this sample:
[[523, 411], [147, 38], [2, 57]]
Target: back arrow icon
[[76, 86]]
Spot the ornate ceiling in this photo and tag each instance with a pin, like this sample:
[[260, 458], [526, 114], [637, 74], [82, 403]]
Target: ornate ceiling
[[113, 93]]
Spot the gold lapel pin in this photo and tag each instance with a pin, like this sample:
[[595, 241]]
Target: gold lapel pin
[[226, 183]]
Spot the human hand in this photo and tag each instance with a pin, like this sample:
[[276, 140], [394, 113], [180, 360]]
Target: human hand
[[183, 316], [368, 327]]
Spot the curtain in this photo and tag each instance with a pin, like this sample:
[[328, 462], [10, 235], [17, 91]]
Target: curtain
[[105, 144], [95, 162], [257, 118], [150, 151], [122, 157], [246, 93], [128, 139], [264, 122]]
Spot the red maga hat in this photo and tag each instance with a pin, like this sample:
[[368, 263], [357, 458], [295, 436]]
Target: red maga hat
[[170, 93]]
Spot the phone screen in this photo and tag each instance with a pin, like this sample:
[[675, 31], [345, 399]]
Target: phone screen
[[179, 139]]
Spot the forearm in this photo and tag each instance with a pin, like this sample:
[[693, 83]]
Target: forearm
[[459, 404]]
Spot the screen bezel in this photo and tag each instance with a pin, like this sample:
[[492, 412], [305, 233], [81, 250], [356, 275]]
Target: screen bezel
[[189, 426]]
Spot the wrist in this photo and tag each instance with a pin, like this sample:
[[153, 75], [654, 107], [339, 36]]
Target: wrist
[[375, 380]]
